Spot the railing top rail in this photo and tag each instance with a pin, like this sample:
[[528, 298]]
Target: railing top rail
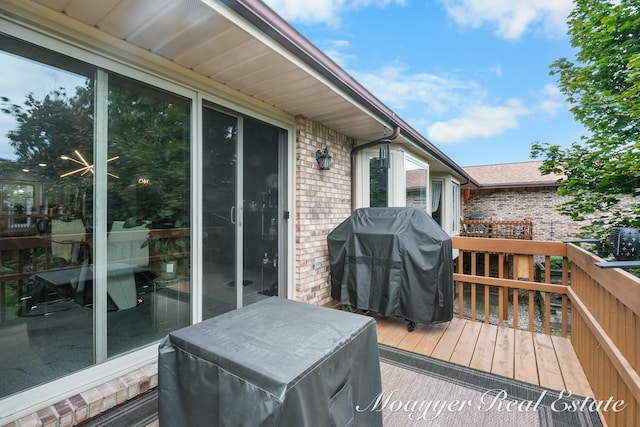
[[489, 221], [510, 246], [618, 282]]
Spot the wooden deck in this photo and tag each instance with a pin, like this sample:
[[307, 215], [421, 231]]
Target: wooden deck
[[535, 358]]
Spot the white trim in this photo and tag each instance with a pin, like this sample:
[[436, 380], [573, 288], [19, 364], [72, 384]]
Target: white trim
[[101, 139], [197, 230], [239, 211]]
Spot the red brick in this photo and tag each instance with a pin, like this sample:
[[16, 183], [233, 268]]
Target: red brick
[[65, 413]]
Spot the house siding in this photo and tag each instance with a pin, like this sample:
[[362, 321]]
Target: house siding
[[323, 201], [538, 204]]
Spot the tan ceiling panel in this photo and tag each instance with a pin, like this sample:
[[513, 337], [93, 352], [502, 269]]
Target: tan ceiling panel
[[224, 38], [170, 22], [130, 16], [234, 57], [57, 5], [89, 12]]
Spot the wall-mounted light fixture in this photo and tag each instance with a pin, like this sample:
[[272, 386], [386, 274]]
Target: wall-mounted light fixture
[[324, 159]]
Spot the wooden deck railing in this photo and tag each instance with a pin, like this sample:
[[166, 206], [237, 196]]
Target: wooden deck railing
[[507, 267], [605, 308], [520, 230]]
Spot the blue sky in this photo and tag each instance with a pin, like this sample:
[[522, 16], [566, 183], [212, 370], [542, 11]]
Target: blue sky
[[470, 75]]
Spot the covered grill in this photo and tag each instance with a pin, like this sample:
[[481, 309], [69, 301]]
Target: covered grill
[[393, 261]]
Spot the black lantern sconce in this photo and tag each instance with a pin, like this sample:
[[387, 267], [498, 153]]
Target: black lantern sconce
[[324, 159]]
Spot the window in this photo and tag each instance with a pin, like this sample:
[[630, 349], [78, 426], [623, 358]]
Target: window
[[455, 201], [436, 200], [378, 184], [64, 308], [416, 176]]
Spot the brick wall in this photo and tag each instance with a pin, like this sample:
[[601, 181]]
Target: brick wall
[[539, 204], [323, 201]]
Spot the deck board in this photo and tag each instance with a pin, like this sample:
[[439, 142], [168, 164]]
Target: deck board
[[525, 367], [431, 338], [463, 352], [548, 367], [504, 353], [572, 373], [449, 340], [531, 357], [517, 354], [483, 356]]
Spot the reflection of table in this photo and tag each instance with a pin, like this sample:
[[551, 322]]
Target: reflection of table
[[275, 362], [121, 281]]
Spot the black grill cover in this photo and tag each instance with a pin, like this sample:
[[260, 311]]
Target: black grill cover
[[393, 261]]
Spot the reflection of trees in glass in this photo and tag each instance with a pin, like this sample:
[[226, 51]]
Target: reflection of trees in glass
[[52, 127], [378, 184], [47, 129], [150, 132], [219, 164], [148, 129]]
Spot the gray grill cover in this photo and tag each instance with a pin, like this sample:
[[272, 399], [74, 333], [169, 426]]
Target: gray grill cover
[[273, 363], [393, 261]]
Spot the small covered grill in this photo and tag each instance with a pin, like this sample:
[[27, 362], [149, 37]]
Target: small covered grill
[[395, 262]]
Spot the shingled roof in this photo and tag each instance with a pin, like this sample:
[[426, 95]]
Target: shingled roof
[[523, 174]]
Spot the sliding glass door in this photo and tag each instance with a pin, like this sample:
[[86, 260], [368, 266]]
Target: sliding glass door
[[242, 211]]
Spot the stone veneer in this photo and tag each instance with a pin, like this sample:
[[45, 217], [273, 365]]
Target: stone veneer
[[323, 201], [93, 402]]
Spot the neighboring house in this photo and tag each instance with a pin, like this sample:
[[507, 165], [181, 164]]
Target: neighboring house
[[179, 163], [516, 192]]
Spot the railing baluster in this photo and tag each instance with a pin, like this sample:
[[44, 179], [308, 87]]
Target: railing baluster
[[473, 302], [515, 308], [504, 313], [547, 313], [460, 300], [474, 256], [565, 314], [531, 311], [461, 285], [486, 304]]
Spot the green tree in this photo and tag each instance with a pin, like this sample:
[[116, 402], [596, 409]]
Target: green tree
[[603, 87], [48, 127]]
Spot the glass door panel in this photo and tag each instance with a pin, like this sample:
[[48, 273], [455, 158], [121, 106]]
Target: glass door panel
[[46, 213], [148, 210], [220, 214], [261, 263], [241, 205]]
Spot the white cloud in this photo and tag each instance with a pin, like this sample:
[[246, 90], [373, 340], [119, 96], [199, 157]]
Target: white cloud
[[432, 94], [478, 121], [511, 18], [321, 11], [551, 100]]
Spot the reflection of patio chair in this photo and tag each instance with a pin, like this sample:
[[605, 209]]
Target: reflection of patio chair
[[67, 238], [125, 251], [126, 244]]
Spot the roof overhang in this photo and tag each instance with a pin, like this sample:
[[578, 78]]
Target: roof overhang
[[248, 48]]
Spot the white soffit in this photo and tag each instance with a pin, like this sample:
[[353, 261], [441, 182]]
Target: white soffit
[[197, 37]]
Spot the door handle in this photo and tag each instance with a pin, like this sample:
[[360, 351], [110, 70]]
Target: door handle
[[232, 215]]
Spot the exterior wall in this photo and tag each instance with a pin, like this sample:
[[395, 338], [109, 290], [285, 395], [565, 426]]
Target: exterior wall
[[539, 204], [323, 201]]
